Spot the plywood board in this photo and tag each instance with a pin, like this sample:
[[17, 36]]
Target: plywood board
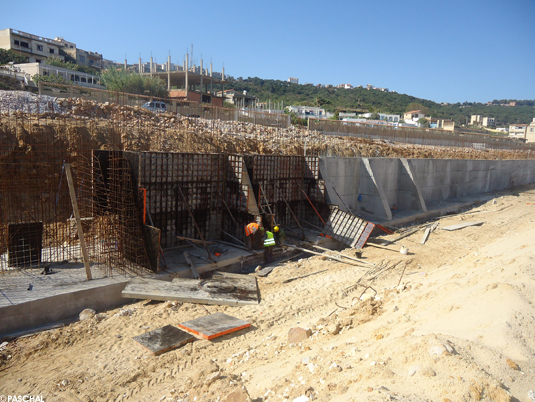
[[223, 289], [214, 325], [463, 225], [163, 339]]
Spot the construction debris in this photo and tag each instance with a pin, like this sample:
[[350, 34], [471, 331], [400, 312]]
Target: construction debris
[[223, 289], [163, 339], [462, 225], [214, 325]]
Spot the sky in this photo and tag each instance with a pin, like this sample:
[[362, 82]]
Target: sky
[[445, 51]]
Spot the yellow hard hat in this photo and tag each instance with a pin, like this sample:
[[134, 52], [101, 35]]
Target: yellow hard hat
[[276, 229]]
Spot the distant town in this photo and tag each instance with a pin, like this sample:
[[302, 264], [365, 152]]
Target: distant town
[[32, 59]]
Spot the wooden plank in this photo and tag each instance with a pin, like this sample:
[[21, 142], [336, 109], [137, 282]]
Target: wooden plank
[[78, 221], [425, 236], [332, 257], [221, 291], [191, 265], [152, 241], [463, 225], [214, 325], [193, 240], [163, 339], [342, 255]]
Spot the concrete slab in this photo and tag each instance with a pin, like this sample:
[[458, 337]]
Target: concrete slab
[[222, 289], [163, 339], [214, 325]]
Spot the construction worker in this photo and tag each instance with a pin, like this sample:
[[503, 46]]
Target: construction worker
[[279, 235], [253, 235], [269, 243]]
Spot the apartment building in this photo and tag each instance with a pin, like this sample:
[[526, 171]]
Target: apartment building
[[517, 130], [37, 48], [82, 57], [34, 48], [530, 131]]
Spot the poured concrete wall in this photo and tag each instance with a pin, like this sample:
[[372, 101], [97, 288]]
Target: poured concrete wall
[[60, 307], [371, 187]]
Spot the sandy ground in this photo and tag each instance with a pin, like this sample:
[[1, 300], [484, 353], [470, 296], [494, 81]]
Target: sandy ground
[[459, 327]]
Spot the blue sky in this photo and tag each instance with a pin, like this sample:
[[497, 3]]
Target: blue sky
[[446, 51]]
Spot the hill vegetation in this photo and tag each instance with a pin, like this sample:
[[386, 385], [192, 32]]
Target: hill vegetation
[[364, 100]]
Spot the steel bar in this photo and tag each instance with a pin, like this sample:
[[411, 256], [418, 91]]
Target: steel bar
[[197, 226]]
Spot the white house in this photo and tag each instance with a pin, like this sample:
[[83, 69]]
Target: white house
[[413, 116]]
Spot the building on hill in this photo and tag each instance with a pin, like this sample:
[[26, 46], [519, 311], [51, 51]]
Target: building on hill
[[530, 131], [479, 121], [293, 80], [239, 99], [34, 48], [475, 119], [517, 130], [309, 111], [37, 48], [70, 76], [489, 122], [446, 124], [82, 57], [345, 86], [391, 118], [413, 116]]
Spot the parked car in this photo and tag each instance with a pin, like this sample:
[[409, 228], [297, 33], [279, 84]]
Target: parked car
[[155, 106]]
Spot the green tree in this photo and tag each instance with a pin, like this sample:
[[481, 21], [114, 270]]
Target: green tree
[[423, 122], [7, 56], [134, 83], [417, 106], [57, 62]]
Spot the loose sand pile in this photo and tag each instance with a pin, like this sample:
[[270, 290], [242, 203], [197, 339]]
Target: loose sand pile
[[458, 327]]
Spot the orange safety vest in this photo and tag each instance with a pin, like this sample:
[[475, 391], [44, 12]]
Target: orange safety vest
[[251, 228]]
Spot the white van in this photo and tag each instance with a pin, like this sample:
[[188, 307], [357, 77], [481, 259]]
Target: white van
[[155, 106]]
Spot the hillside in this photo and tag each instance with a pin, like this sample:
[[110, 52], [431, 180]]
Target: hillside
[[337, 99]]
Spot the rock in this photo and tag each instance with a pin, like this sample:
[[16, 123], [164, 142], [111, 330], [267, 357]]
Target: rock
[[333, 328], [297, 335], [438, 350], [87, 313], [65, 383], [531, 395], [305, 360], [124, 313], [498, 394], [335, 367], [239, 394], [211, 378], [513, 365], [428, 372], [413, 370], [100, 317], [302, 398], [311, 367]]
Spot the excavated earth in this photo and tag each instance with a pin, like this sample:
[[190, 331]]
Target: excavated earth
[[96, 125]]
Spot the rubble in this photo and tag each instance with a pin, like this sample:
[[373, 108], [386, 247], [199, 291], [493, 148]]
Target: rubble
[[139, 129]]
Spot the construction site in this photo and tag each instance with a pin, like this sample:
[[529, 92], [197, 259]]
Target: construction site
[[126, 273]]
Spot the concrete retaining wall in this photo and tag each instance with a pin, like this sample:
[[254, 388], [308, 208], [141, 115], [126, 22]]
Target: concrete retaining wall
[[388, 184], [51, 309]]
